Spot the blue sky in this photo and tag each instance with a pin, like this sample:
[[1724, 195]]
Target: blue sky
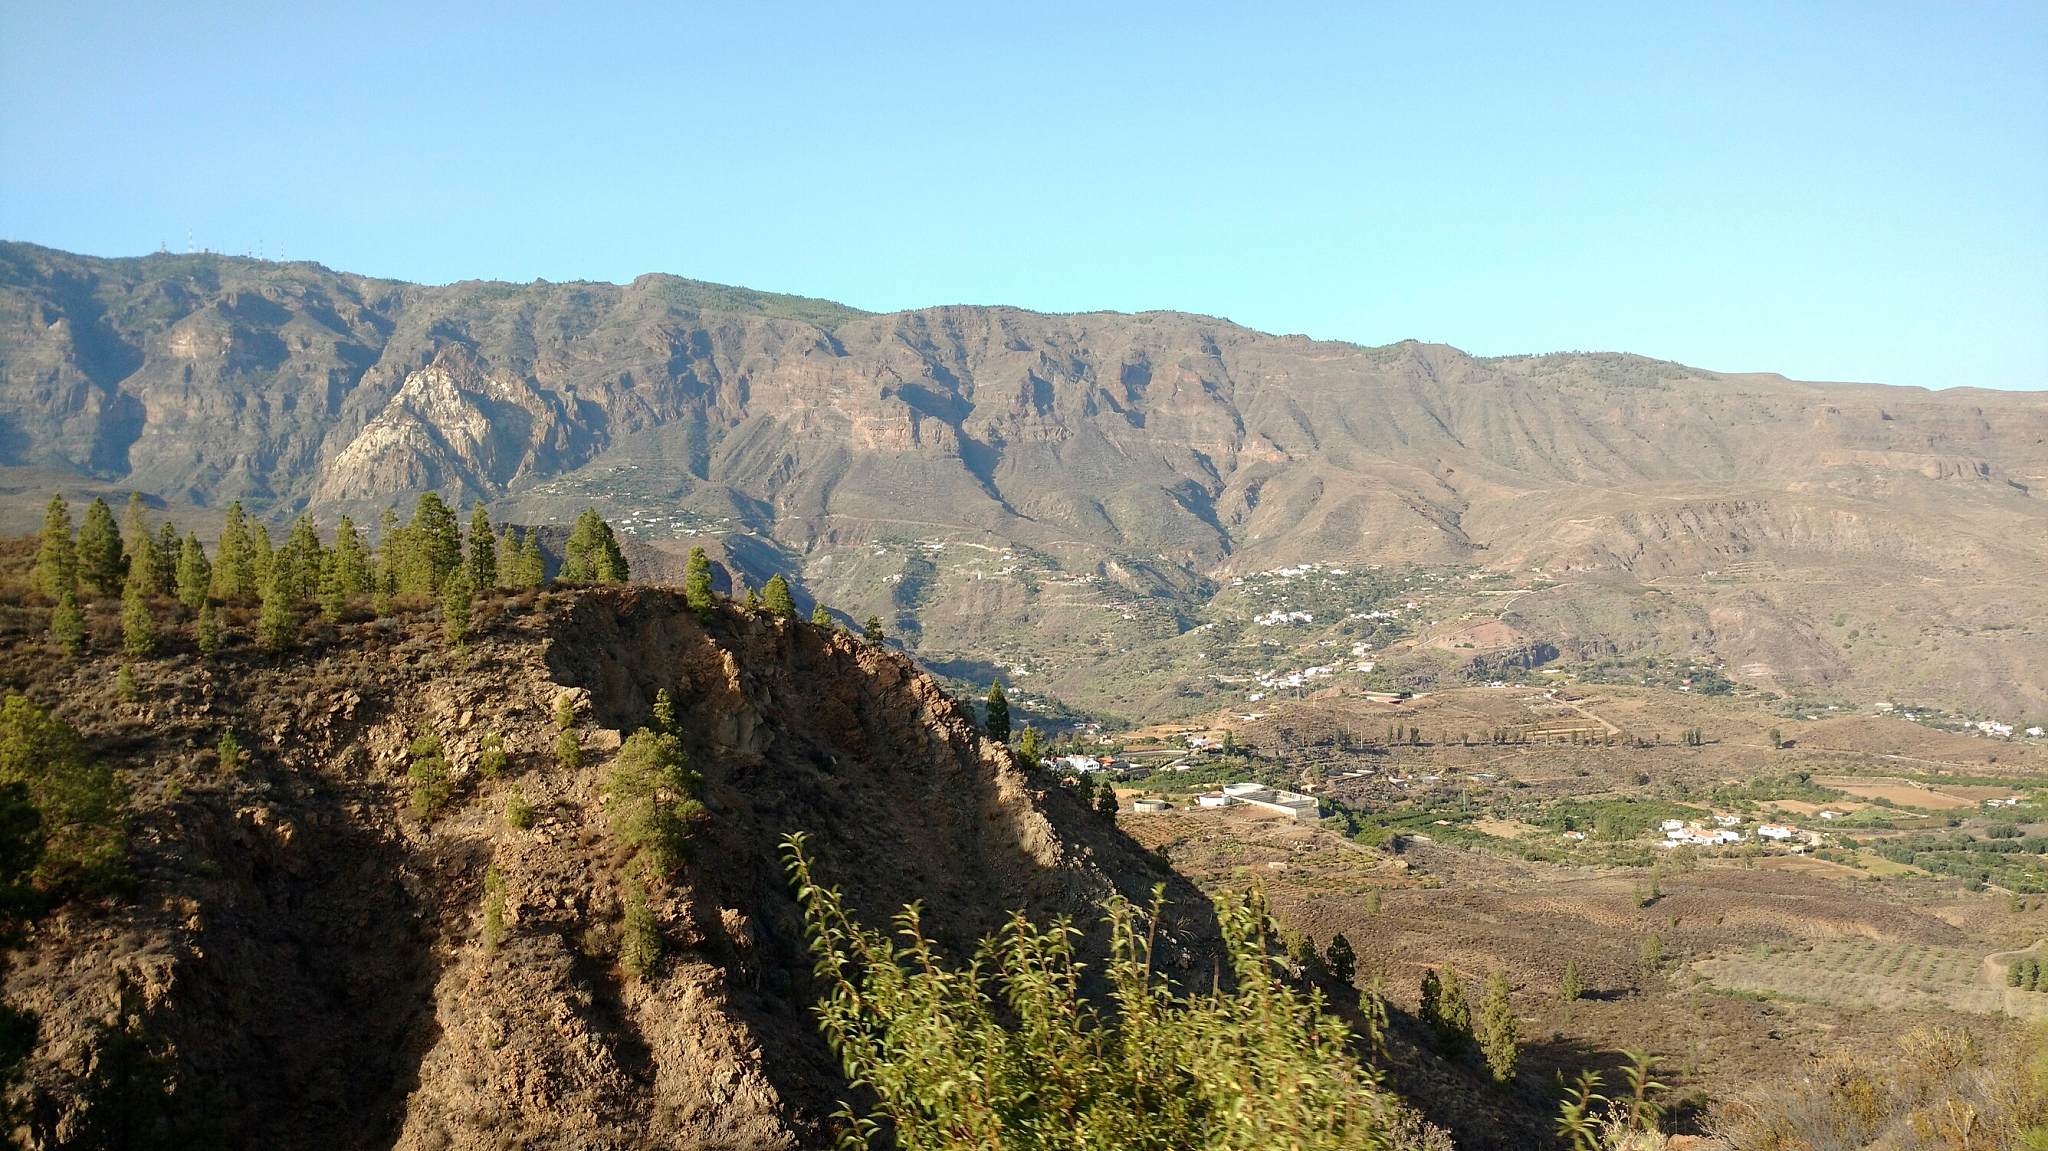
[[1855, 191]]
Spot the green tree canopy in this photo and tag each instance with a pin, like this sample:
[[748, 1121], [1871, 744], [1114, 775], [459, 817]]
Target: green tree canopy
[[81, 803], [776, 598], [195, 575], [234, 574], [483, 550], [998, 706], [650, 801], [592, 554], [697, 583], [56, 570], [429, 547], [102, 565], [144, 564]]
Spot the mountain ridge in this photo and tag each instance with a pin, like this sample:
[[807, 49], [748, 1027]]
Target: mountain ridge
[[1160, 454]]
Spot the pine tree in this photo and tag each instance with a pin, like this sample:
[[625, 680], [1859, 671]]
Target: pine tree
[[1105, 800], [1431, 1009], [333, 596], [752, 599], [1340, 959], [998, 724], [56, 570], [67, 624], [455, 593], [305, 560], [262, 559], [608, 562], [1454, 1030], [102, 567], [234, 577], [508, 558], [351, 559], [820, 616], [1570, 987], [663, 718], [483, 550], [195, 575], [697, 584], [592, 554], [206, 630], [169, 548], [430, 547], [1498, 1031], [138, 631], [533, 562], [873, 631], [775, 597], [278, 624], [143, 565]]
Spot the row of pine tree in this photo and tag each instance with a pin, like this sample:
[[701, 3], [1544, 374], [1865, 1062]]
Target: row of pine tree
[[427, 557]]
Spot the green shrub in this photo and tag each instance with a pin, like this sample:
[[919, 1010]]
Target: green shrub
[[650, 801], [518, 812], [490, 756], [640, 935], [1007, 1053], [428, 774], [81, 804], [494, 908], [568, 750], [1571, 986]]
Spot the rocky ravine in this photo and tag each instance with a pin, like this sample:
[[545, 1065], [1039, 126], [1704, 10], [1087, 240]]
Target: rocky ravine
[[314, 953]]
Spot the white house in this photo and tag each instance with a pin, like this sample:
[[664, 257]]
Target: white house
[[1215, 799], [1079, 764], [1673, 825], [1727, 820], [1776, 831]]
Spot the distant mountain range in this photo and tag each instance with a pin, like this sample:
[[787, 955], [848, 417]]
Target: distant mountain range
[[1008, 488]]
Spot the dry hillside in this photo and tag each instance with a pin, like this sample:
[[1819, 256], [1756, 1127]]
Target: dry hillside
[[314, 954]]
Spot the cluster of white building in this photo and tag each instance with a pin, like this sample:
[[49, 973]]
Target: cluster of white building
[[1726, 830], [1301, 808]]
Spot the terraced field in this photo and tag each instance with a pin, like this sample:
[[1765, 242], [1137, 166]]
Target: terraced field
[[1848, 973]]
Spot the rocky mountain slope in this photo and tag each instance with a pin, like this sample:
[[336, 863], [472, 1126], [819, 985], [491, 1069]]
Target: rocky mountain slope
[[1109, 459], [315, 954]]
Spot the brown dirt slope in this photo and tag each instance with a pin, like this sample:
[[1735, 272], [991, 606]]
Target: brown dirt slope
[[313, 952]]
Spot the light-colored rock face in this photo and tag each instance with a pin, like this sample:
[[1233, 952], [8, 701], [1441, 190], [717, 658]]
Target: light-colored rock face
[[451, 426]]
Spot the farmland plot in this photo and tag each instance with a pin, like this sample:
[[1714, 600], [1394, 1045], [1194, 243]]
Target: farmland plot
[[1848, 973]]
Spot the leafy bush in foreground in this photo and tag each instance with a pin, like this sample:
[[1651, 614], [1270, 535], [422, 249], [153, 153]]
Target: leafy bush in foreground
[[1007, 1053]]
